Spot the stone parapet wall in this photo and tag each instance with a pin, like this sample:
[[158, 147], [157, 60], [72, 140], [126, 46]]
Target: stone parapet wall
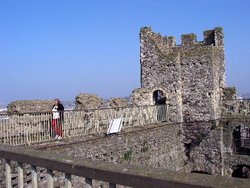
[[156, 146], [117, 175], [205, 147]]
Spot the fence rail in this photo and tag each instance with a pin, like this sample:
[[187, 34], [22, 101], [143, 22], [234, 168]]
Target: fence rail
[[19, 129], [28, 128], [113, 174]]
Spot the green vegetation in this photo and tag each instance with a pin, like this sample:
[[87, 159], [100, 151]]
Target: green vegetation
[[229, 93], [128, 155]]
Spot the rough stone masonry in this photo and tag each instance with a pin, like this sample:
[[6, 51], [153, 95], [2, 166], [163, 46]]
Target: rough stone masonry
[[191, 75]]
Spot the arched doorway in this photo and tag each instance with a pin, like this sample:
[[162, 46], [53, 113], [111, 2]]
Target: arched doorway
[[242, 171], [160, 99]]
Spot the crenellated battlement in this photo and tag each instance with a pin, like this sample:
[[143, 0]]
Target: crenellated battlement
[[188, 39], [167, 41], [214, 37]]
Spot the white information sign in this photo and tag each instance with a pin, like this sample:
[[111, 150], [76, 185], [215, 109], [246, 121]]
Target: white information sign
[[115, 126]]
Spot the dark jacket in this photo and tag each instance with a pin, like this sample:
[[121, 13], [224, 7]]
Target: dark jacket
[[60, 110]]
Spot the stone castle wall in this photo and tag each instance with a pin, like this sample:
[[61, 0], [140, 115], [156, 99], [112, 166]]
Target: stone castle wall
[[160, 146], [191, 74], [157, 146], [217, 153], [211, 150]]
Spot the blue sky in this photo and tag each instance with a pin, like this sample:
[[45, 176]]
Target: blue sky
[[59, 48]]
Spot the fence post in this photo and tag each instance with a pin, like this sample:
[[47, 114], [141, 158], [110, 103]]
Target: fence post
[[8, 173], [34, 176], [20, 175], [50, 183], [68, 183]]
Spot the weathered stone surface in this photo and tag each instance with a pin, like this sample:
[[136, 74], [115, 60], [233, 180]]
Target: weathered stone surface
[[206, 156], [212, 147], [117, 102], [192, 74], [84, 101], [26, 106], [156, 147], [141, 96]]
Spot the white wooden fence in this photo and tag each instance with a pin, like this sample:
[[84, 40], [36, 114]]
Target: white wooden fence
[[30, 128]]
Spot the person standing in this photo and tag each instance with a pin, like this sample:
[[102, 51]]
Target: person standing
[[57, 119]]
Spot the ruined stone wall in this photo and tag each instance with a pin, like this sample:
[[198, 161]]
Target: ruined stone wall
[[208, 150], [26, 106], [234, 155], [192, 74], [156, 147], [86, 100], [211, 147], [205, 149]]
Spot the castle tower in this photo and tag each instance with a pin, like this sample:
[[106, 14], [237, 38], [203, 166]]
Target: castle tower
[[192, 74]]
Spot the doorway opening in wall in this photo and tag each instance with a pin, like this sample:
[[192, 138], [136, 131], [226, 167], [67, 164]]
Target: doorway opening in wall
[[160, 101], [159, 97], [241, 171], [241, 140]]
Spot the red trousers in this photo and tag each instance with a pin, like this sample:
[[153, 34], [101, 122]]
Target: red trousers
[[57, 127]]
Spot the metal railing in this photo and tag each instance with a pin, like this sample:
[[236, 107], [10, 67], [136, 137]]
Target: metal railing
[[19, 129], [113, 174]]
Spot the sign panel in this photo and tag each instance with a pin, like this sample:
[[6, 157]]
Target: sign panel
[[115, 126]]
